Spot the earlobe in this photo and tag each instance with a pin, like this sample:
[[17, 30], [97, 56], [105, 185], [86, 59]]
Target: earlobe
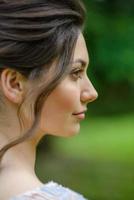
[[11, 85]]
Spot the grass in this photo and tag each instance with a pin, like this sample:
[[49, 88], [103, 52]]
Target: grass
[[110, 138], [98, 162]]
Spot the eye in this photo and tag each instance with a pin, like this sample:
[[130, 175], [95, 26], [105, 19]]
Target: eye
[[77, 74]]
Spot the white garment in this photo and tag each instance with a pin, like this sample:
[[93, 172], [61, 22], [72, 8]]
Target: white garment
[[50, 191]]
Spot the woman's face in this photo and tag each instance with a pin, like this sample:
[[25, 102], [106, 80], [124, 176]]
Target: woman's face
[[60, 114]]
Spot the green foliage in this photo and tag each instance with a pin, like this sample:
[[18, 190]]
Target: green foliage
[[112, 37], [109, 35]]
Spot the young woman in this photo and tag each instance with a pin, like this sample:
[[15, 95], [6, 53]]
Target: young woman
[[44, 89]]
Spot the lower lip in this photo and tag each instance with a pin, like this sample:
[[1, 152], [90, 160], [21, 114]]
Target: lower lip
[[80, 116]]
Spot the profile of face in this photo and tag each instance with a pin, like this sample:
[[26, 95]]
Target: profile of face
[[65, 107]]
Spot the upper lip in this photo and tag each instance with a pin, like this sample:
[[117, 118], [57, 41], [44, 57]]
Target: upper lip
[[80, 112]]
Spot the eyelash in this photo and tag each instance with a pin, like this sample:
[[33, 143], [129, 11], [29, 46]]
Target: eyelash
[[77, 74]]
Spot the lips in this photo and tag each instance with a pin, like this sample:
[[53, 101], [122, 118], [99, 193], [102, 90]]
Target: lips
[[80, 115], [82, 112]]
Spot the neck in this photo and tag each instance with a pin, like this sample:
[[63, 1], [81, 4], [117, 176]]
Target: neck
[[18, 167], [20, 157]]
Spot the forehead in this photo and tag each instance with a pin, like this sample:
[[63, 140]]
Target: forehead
[[81, 51]]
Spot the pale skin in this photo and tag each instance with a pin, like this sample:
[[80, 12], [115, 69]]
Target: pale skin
[[58, 118]]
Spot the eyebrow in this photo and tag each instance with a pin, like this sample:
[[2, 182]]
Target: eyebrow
[[82, 62]]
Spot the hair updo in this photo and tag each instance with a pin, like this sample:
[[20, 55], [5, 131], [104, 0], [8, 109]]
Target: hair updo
[[33, 33]]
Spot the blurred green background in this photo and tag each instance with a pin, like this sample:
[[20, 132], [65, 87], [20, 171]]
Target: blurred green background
[[99, 162]]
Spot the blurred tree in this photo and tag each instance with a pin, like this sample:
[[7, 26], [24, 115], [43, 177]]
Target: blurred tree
[[110, 40]]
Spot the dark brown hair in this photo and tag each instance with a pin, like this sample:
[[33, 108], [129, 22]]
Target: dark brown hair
[[33, 33]]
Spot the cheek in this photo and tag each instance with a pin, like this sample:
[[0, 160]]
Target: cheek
[[64, 99], [58, 108], [69, 96]]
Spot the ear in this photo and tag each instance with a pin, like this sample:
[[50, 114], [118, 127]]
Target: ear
[[12, 84]]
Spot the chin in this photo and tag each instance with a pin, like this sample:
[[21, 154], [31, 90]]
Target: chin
[[68, 132], [71, 133]]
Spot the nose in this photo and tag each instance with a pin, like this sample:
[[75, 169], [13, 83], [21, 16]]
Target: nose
[[89, 93]]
